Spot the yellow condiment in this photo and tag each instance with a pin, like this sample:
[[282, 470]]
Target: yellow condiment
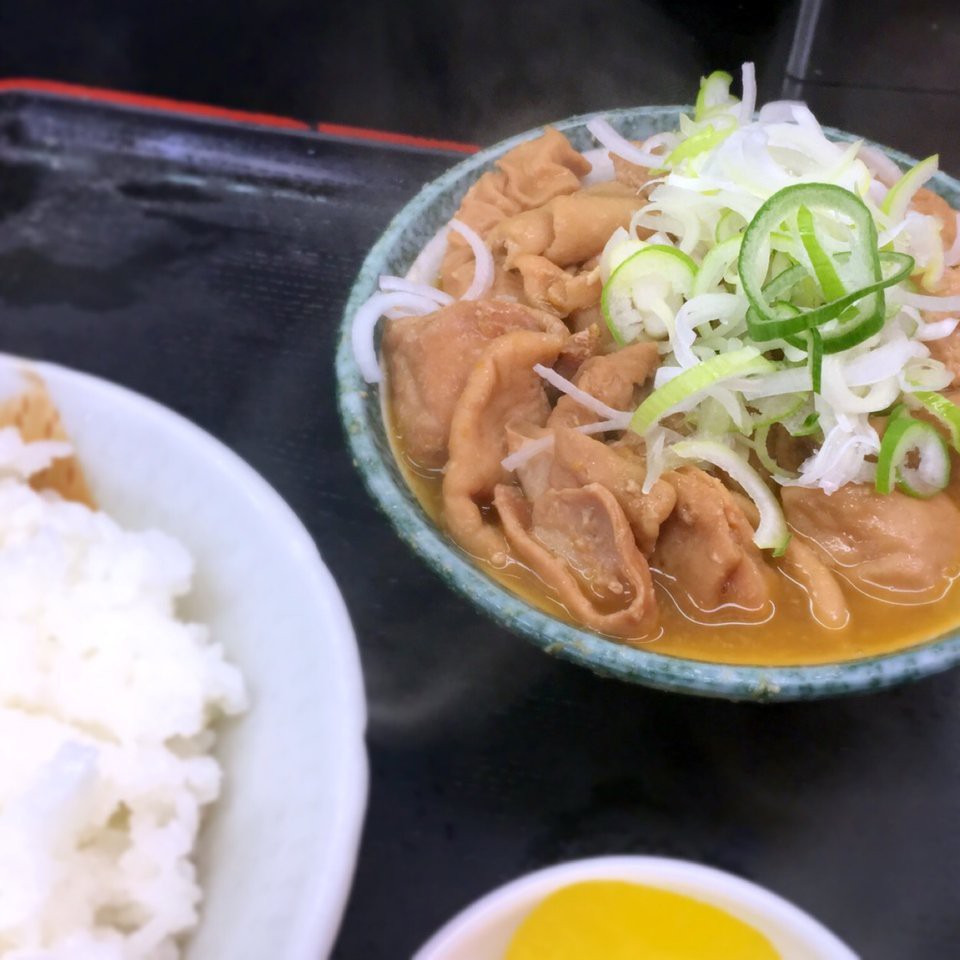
[[613, 920]]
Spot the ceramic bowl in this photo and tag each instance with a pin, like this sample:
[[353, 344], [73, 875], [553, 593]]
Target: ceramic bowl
[[483, 931], [360, 409], [276, 853]]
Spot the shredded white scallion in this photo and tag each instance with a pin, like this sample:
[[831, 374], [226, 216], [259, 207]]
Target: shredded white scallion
[[365, 321], [526, 452], [886, 171], [601, 167], [749, 101], [937, 329], [581, 396], [390, 284], [483, 272], [537, 445], [925, 302], [615, 143], [426, 268]]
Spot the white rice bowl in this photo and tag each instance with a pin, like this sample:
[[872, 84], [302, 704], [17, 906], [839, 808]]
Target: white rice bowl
[[107, 700]]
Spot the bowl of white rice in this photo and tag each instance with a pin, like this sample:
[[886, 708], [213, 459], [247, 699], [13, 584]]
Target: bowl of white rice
[[181, 704]]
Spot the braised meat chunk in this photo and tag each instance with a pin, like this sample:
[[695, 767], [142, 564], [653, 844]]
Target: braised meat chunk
[[429, 359], [882, 543], [529, 176], [706, 547], [501, 387], [579, 542], [612, 379], [569, 229]]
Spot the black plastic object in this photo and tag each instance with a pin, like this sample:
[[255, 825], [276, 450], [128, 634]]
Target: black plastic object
[[205, 265], [889, 72]]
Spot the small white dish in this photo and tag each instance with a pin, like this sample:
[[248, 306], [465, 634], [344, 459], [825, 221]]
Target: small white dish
[[484, 929], [277, 852]]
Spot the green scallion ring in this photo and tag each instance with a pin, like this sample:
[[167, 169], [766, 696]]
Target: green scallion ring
[[946, 413], [696, 380], [848, 333], [863, 263], [905, 435]]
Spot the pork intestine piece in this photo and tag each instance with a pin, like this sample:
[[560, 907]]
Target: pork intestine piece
[[429, 359], [580, 460], [611, 379], [549, 287], [706, 547], [888, 545], [500, 388], [528, 176], [579, 543], [569, 229]]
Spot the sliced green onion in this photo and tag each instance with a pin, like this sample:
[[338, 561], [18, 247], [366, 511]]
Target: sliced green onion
[[771, 533], [714, 92], [816, 358], [947, 413], [862, 267], [852, 329], [763, 455], [619, 247], [715, 265], [706, 374], [803, 426], [713, 419], [823, 267], [636, 291], [848, 334], [785, 282], [927, 374], [772, 410], [905, 435], [729, 225], [702, 141], [898, 198]]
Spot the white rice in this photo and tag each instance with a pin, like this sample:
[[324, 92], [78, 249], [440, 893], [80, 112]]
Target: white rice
[[106, 701]]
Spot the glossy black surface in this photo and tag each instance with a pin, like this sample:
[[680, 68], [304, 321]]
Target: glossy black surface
[[206, 266], [473, 70], [889, 70]]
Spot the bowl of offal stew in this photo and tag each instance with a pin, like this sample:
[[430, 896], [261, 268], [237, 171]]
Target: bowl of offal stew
[[671, 392]]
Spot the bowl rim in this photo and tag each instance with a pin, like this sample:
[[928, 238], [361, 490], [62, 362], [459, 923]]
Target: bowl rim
[[318, 916], [668, 872], [601, 655]]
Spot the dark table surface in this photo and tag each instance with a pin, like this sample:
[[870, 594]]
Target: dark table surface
[[479, 71], [207, 267]]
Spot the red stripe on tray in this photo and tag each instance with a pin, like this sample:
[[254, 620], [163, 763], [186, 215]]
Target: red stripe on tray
[[402, 139], [145, 102]]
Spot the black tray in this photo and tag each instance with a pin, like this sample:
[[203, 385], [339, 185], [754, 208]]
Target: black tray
[[206, 264]]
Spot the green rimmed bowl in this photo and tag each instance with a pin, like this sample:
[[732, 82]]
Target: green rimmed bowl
[[360, 409]]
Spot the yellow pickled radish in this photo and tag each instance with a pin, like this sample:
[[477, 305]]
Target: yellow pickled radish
[[614, 920]]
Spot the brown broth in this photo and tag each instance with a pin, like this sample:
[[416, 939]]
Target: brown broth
[[789, 636]]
